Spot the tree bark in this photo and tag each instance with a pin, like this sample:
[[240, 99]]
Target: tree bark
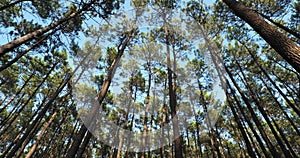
[[12, 4], [19, 41], [39, 138], [84, 144], [294, 107], [278, 41], [241, 128], [22, 53], [104, 89], [295, 34], [172, 100], [15, 96], [253, 114]]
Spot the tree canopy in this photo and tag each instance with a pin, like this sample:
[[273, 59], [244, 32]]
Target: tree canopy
[[141, 78]]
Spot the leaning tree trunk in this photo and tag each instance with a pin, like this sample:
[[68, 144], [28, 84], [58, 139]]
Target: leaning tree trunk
[[252, 113], [283, 27], [104, 89], [278, 41], [30, 36], [241, 128], [12, 4]]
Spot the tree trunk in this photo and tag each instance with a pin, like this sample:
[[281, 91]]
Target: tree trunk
[[22, 53], [41, 114], [273, 83], [295, 34], [104, 89], [39, 138], [19, 41], [279, 42], [248, 119], [172, 96], [27, 102], [253, 115], [15, 96], [241, 128], [84, 144], [12, 4]]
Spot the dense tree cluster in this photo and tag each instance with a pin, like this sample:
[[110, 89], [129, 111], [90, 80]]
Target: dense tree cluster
[[67, 64]]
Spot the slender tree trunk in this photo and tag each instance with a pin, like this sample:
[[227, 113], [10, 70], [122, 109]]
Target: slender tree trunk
[[42, 112], [295, 34], [121, 139], [12, 4], [131, 122], [282, 135], [220, 143], [197, 134], [77, 141], [84, 144], [265, 116], [228, 150], [69, 140], [114, 151], [240, 127], [39, 138], [22, 53], [281, 108], [278, 41], [273, 83], [268, 88], [145, 127], [172, 95], [28, 100], [19, 41], [247, 118], [291, 89], [16, 94], [252, 141], [30, 119], [253, 115], [37, 119], [104, 89]]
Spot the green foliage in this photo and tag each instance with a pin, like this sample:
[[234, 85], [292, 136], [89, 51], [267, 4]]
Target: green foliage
[[264, 82]]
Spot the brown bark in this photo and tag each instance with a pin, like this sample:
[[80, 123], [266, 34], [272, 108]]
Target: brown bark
[[104, 89], [125, 127], [281, 108], [248, 119], [19, 41], [22, 53], [77, 141], [250, 124], [278, 41], [265, 116], [39, 138], [295, 34], [126, 153], [35, 122], [269, 89], [84, 144], [28, 100], [240, 127], [15, 96], [273, 83], [172, 100], [282, 135], [164, 117], [12, 4], [145, 127], [42, 112], [253, 114]]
